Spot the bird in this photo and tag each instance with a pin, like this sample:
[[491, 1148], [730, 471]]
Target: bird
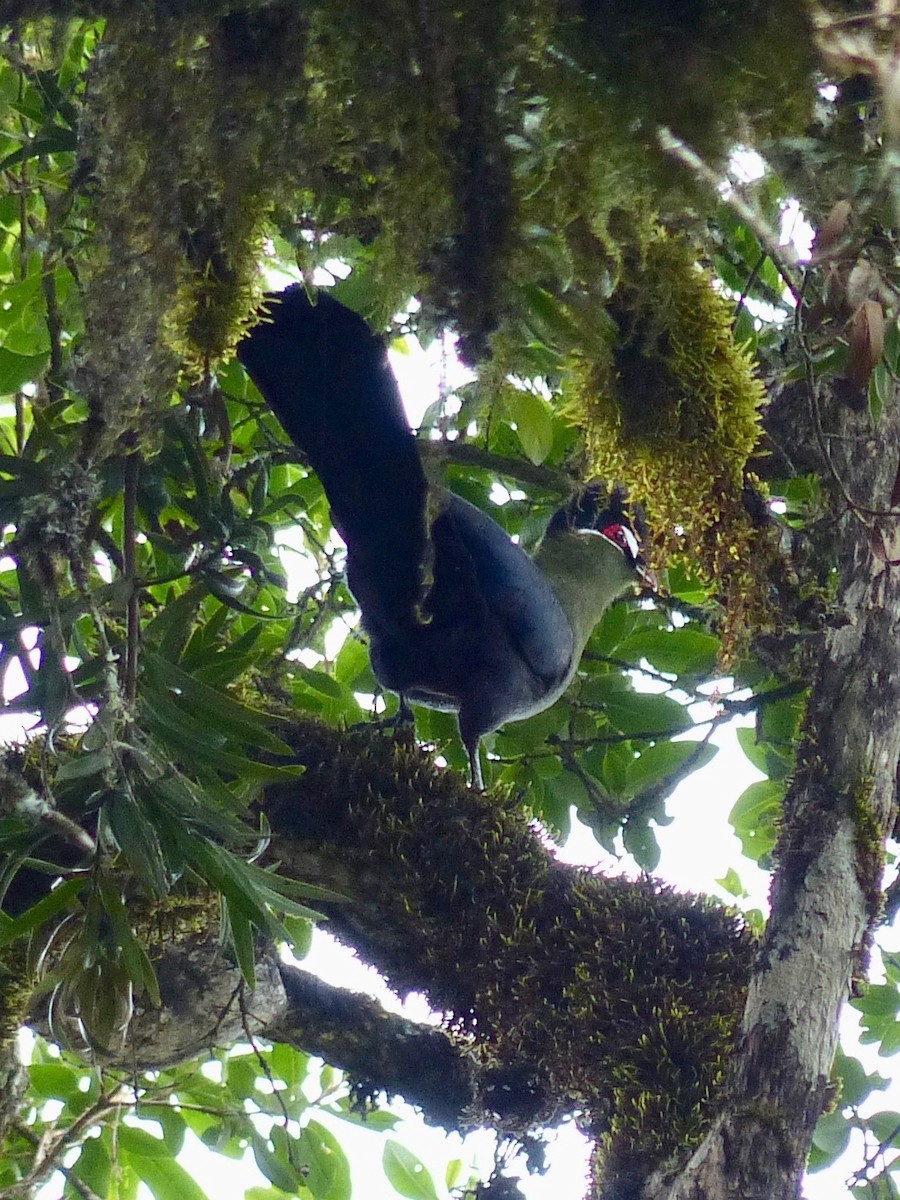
[[459, 617]]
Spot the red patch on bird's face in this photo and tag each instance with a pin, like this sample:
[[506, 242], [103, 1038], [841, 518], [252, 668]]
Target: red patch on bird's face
[[624, 538]]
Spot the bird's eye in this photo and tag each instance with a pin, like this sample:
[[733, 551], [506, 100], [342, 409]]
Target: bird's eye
[[624, 539]]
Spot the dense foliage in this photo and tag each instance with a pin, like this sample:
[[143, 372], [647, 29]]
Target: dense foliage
[[170, 586]]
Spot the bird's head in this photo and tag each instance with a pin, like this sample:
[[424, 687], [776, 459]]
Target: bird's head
[[598, 511]]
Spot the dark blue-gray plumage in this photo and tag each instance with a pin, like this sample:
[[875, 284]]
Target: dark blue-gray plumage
[[459, 617]]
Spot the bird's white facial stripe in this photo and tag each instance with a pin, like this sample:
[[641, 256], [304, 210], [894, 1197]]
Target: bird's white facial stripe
[[630, 540]]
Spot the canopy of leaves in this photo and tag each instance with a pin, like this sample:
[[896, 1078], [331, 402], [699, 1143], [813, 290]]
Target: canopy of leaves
[[500, 164]]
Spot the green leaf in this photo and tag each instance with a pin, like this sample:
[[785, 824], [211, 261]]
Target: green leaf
[[301, 931], [278, 1171], [881, 390], [60, 899], [453, 1173], [755, 817], [18, 369], [52, 139], [614, 627], [165, 1177], [93, 1167], [831, 1137], [54, 1080], [228, 714], [677, 652], [646, 714], [886, 1127], [406, 1173], [533, 417], [328, 1175], [171, 1122], [135, 957], [752, 748], [640, 842], [288, 1064], [240, 930], [320, 682], [351, 662], [140, 1142], [656, 763], [892, 345], [773, 761], [136, 837], [731, 883]]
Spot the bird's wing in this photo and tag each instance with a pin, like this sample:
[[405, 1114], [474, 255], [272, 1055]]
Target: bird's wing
[[327, 379], [479, 572]]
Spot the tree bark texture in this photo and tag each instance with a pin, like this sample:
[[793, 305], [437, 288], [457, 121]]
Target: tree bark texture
[[840, 806]]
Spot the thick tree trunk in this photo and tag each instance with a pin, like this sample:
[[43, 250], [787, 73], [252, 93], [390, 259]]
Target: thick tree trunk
[[839, 808]]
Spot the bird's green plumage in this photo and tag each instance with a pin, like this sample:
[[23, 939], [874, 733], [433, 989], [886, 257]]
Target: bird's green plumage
[[587, 572]]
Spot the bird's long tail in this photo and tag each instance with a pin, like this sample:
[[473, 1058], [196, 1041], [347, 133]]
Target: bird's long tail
[[327, 379]]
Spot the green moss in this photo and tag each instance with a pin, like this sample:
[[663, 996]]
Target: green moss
[[699, 66], [16, 991], [869, 864], [611, 997], [670, 406]]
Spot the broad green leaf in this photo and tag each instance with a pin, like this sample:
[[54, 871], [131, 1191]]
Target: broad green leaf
[[644, 714], [890, 1041], [774, 761], [533, 417], [406, 1173], [886, 1127], [656, 763], [165, 1177], [93, 1167], [54, 1079], [614, 627], [677, 652], [18, 369], [752, 748], [288, 1064], [171, 1122], [351, 662], [278, 1171], [321, 682], [830, 1139], [329, 1171], [755, 816], [140, 1142], [856, 1084], [640, 842], [731, 883]]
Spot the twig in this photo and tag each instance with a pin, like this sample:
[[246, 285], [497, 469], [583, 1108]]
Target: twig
[[467, 455], [783, 257], [55, 329]]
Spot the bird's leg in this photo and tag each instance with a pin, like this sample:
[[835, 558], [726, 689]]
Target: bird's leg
[[476, 779], [404, 712]]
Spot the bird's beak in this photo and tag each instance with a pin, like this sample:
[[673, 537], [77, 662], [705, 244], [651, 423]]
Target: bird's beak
[[648, 578]]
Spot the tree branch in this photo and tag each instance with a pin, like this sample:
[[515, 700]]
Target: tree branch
[[397, 1055], [603, 996]]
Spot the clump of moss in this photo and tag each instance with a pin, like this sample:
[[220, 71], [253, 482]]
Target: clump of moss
[[614, 998], [709, 69], [669, 405], [184, 129]]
